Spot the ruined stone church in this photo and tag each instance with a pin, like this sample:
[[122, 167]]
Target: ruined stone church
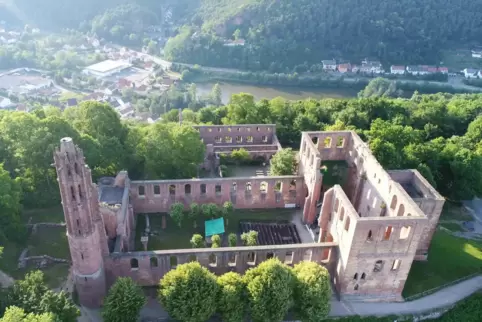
[[371, 228]]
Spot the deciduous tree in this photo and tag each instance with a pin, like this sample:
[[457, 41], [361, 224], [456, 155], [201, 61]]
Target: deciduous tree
[[16, 314], [177, 213], [189, 293], [232, 302], [216, 241], [283, 163], [270, 291], [312, 291], [124, 301]]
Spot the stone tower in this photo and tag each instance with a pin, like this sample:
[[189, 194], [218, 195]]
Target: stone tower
[[85, 227]]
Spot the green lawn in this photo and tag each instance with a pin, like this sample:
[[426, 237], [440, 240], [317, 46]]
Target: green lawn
[[54, 214], [334, 172], [50, 241], [174, 237], [449, 259], [452, 226], [455, 211]]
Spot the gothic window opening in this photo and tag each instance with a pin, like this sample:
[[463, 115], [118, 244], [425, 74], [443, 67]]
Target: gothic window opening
[[80, 193], [370, 236], [340, 142], [363, 276], [356, 276], [187, 189], [388, 233], [405, 232], [239, 139], [82, 256], [356, 287], [327, 143], [218, 190], [264, 138], [76, 168], [72, 190]]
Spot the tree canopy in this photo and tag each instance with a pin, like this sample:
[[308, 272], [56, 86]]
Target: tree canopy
[[124, 301], [189, 293], [232, 303], [283, 163], [270, 293]]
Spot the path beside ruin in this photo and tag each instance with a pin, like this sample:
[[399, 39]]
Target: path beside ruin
[[6, 280], [438, 300]]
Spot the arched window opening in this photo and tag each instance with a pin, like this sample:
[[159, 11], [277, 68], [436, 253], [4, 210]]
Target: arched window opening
[[172, 190], [401, 210], [388, 233], [213, 260], [327, 143], [263, 188], [154, 262], [342, 213], [378, 266], [157, 190], [356, 276], [187, 189], [356, 287], [393, 204], [363, 276], [203, 188], [141, 191], [347, 223], [314, 140], [173, 261], [218, 190], [76, 168], [405, 232]]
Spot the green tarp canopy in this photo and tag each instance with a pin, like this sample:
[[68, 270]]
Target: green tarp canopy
[[214, 227]]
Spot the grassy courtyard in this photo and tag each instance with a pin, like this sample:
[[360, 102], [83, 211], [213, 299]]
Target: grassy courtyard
[[449, 259], [50, 241], [174, 237]]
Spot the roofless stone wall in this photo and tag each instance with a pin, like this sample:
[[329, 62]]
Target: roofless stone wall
[[147, 268], [250, 192]]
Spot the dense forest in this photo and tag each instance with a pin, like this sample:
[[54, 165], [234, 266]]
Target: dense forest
[[284, 33]]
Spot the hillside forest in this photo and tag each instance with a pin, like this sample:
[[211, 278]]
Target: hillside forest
[[440, 135], [279, 34]]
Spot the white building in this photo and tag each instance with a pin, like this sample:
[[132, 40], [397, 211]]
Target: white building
[[106, 68], [329, 65], [397, 70], [470, 73], [5, 102], [476, 53]]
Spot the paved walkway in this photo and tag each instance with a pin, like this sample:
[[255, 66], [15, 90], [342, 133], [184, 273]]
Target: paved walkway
[[443, 298]]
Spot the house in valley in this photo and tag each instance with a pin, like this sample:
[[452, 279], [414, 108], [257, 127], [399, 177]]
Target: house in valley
[[470, 72], [344, 68], [329, 65], [397, 70]]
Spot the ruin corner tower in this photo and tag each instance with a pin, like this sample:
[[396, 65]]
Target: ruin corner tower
[[85, 228]]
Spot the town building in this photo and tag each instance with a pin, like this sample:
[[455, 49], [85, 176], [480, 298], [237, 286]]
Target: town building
[[234, 43], [470, 72], [443, 70], [5, 103], [106, 68], [344, 68], [397, 70], [329, 65], [372, 226], [477, 53]]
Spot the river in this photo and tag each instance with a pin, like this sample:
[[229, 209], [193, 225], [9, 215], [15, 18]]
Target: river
[[269, 92]]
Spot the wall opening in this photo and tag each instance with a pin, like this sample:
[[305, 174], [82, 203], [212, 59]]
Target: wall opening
[[72, 190], [289, 258], [141, 191], [234, 187], [277, 186], [264, 138], [157, 190], [187, 189], [239, 139], [388, 233], [218, 190], [356, 276], [247, 188], [213, 260], [342, 213], [307, 255], [251, 259], [154, 262], [76, 168], [218, 139], [203, 188], [393, 204], [405, 232], [269, 255], [378, 266], [401, 210], [337, 204], [292, 189], [314, 140], [327, 142], [232, 260], [173, 261], [134, 264], [172, 190], [82, 256], [340, 142], [356, 287], [191, 258], [228, 139], [249, 139], [396, 265], [363, 276], [347, 223], [263, 187], [370, 236], [80, 193]]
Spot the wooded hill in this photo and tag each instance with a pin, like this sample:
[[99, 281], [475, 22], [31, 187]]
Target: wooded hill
[[285, 33]]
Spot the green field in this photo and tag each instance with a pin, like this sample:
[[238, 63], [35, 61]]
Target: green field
[[174, 237], [452, 226], [449, 259]]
